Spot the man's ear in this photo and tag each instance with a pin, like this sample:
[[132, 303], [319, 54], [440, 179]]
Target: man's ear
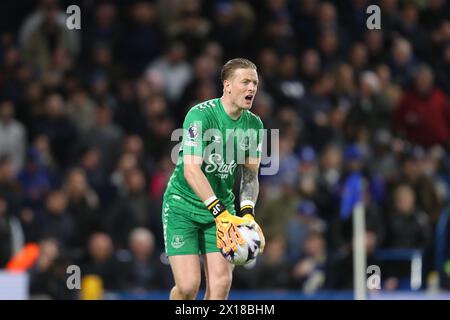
[[227, 86]]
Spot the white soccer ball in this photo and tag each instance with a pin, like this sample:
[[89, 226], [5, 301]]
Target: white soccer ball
[[249, 250]]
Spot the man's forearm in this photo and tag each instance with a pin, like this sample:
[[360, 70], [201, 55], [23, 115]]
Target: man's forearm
[[199, 183], [249, 184]]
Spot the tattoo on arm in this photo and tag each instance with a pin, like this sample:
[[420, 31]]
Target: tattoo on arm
[[249, 184]]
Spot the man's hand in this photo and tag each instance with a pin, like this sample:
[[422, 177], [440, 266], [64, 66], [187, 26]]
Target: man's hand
[[228, 235], [259, 230]]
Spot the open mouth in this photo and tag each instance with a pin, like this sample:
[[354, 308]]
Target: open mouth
[[249, 98]]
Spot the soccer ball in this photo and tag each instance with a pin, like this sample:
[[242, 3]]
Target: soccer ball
[[249, 250]]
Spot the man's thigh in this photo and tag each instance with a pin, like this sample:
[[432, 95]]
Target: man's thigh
[[208, 238], [181, 233]]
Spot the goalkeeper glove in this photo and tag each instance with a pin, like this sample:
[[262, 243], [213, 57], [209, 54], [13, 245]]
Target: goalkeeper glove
[[247, 212], [227, 234]]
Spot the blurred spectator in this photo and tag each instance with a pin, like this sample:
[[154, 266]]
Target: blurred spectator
[[158, 128], [309, 272], [189, 26], [376, 46], [288, 163], [328, 45], [268, 61], [411, 29], [91, 162], [9, 186], [285, 206], [41, 145], [383, 162], [388, 89], [407, 226], [443, 70], [160, 178], [330, 175], [313, 109], [287, 86], [423, 115], [11, 234], [232, 23], [272, 270], [81, 111], [300, 227], [34, 178], [103, 262], [131, 210], [371, 110], [402, 62], [32, 104], [359, 57], [57, 222], [413, 174], [434, 13], [206, 70], [44, 35], [340, 263], [327, 20], [308, 162], [106, 137], [13, 136], [128, 113], [57, 127], [82, 205], [48, 277], [105, 29], [145, 271], [305, 21], [264, 107], [142, 39], [310, 66], [126, 163], [174, 71], [345, 86]]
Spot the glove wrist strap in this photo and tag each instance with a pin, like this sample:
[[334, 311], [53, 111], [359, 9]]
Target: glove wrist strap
[[216, 207], [247, 207]]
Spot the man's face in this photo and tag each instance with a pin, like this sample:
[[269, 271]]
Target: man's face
[[6, 110], [242, 86]]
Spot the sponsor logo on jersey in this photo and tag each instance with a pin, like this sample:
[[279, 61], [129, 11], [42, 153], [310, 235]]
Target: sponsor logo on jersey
[[217, 165]]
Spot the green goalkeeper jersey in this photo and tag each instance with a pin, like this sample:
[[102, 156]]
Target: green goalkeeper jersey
[[223, 144]]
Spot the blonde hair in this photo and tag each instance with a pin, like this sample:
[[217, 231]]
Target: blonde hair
[[233, 64]]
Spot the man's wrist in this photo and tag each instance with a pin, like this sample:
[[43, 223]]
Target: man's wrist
[[215, 206], [247, 208]]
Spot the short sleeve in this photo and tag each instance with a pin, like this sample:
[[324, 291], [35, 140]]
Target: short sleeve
[[194, 126], [256, 138], [260, 137]]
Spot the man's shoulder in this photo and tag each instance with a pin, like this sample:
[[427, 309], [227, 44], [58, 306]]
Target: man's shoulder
[[203, 111], [254, 119], [204, 105]]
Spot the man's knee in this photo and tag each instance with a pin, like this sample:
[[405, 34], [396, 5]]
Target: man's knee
[[188, 289], [221, 284]]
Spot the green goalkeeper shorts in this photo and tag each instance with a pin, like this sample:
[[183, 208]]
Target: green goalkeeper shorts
[[187, 228]]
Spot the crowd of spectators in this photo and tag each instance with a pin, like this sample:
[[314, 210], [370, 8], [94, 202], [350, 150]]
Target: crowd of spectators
[[86, 118]]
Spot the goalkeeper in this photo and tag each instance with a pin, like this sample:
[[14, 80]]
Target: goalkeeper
[[220, 136]]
